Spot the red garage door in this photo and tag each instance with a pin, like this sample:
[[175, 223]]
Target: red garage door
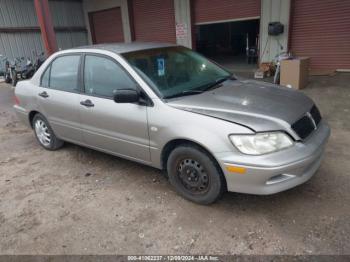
[[321, 30], [106, 26], [207, 11], [154, 20]]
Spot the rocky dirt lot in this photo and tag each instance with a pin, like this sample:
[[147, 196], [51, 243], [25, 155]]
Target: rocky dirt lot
[[79, 201]]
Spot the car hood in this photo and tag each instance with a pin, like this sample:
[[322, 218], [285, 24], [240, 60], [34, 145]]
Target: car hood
[[257, 105]]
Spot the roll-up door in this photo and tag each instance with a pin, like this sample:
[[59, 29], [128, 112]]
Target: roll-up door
[[321, 30], [154, 20], [106, 26], [211, 11]]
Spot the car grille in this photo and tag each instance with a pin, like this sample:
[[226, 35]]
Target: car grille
[[316, 115], [308, 123]]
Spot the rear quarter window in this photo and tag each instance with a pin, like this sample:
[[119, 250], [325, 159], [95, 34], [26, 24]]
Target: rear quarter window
[[45, 79]]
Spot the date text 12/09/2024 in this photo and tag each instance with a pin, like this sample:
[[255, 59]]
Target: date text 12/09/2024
[[173, 258]]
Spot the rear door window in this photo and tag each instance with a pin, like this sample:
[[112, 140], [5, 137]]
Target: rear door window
[[64, 73]]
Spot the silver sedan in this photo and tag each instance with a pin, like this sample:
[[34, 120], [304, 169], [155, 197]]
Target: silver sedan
[[168, 107]]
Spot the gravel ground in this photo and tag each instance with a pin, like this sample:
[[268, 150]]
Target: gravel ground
[[79, 201]]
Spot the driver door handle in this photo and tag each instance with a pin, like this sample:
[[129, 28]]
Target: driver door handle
[[87, 103], [44, 94]]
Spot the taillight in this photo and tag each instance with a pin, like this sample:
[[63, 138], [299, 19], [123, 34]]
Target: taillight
[[16, 100]]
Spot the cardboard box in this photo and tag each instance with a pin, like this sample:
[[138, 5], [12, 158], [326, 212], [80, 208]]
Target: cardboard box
[[295, 72], [259, 74], [267, 68]]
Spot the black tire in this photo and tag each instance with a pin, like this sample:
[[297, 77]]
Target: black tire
[[7, 78], [14, 78], [54, 142], [30, 74], [205, 184]]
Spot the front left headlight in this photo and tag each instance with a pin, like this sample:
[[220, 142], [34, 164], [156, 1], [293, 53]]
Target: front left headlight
[[261, 143]]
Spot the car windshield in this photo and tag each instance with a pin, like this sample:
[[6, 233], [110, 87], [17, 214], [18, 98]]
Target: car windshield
[[176, 71]]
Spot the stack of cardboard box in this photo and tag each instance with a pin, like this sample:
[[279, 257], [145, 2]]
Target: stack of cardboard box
[[295, 72], [265, 70]]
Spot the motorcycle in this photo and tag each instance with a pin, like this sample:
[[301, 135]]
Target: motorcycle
[[27, 71], [21, 69], [5, 69], [40, 59], [8, 71]]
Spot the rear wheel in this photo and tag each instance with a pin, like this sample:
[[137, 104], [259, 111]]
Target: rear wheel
[[7, 78], [44, 133], [195, 174]]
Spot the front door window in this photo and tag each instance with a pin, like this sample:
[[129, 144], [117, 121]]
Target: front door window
[[102, 77]]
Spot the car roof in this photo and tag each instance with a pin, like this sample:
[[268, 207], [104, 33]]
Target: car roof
[[120, 48]]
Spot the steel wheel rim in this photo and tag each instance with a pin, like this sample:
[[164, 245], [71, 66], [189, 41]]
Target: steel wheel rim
[[42, 132], [193, 176]]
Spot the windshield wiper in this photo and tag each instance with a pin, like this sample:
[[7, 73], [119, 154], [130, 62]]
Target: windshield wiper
[[215, 84], [201, 89], [185, 93]]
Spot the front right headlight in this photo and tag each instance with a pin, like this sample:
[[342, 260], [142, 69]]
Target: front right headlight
[[261, 143]]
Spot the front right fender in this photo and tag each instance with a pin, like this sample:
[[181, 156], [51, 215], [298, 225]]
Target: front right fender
[[167, 123]]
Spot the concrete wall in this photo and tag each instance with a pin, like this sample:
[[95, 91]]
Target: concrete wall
[[273, 11], [183, 18], [97, 5]]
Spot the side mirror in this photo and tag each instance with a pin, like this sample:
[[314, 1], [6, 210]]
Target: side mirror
[[126, 96]]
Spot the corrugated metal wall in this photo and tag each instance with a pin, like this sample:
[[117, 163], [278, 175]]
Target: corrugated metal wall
[[106, 26], [321, 30], [208, 11], [15, 13], [21, 14], [68, 14], [154, 20]]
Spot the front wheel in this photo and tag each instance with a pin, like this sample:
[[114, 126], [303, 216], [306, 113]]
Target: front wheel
[[195, 174], [44, 133], [14, 78]]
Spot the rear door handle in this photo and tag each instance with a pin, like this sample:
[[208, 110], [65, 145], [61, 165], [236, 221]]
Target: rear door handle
[[87, 103], [44, 94]]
